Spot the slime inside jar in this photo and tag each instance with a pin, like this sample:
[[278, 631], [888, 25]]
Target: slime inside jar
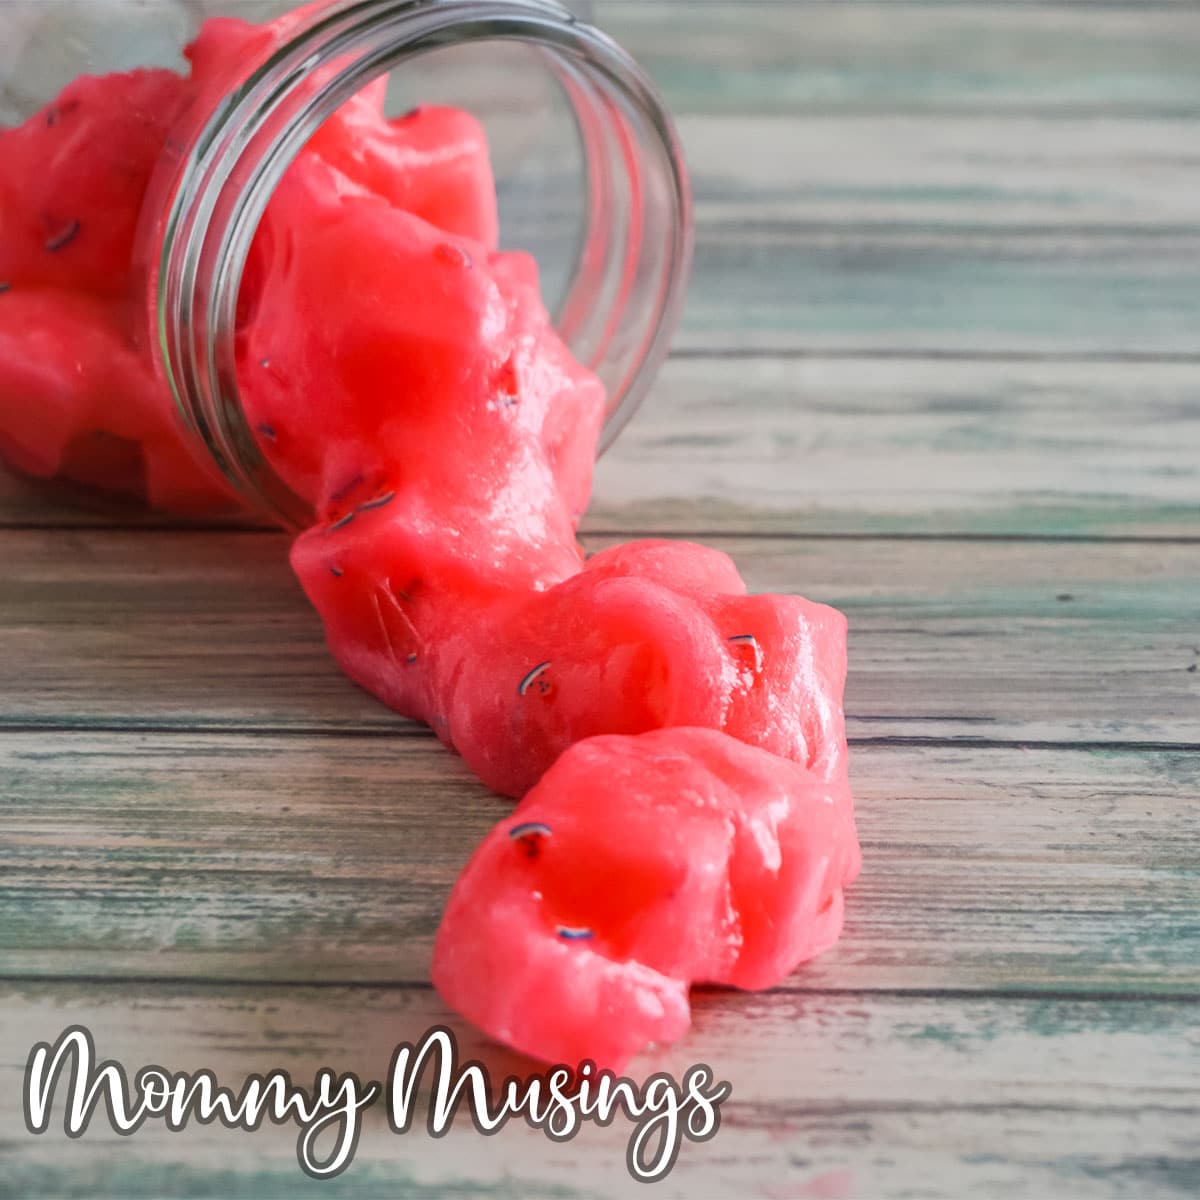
[[679, 743]]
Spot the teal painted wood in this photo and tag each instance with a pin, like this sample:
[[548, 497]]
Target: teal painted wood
[[923, 288], [933, 58], [848, 1095], [945, 289], [1013, 640], [908, 445], [915, 177], [999, 173], [989, 869]]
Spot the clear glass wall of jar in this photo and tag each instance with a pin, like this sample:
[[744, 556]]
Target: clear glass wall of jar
[[589, 172]]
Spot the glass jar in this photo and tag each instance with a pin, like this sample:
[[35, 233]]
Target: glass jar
[[589, 173]]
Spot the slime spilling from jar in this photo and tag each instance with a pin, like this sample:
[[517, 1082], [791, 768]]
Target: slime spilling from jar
[[679, 744]]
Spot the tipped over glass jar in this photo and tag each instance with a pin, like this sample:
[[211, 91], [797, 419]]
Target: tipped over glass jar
[[133, 188]]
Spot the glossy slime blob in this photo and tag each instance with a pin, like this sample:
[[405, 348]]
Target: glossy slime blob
[[679, 744]]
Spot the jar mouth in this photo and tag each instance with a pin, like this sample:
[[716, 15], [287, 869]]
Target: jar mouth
[[626, 293]]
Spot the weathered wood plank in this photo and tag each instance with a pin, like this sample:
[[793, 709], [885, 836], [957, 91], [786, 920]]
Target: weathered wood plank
[[771, 56], [877, 445], [832, 1096], [330, 858], [844, 287], [1011, 1010], [917, 267], [843, 136], [1018, 178], [1004, 640], [832, 445], [1006, 173]]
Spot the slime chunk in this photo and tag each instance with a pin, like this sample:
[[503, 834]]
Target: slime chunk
[[679, 743], [432, 161], [645, 636], [73, 177], [637, 866]]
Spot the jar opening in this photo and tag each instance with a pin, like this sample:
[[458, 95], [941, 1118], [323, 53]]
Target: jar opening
[[620, 300]]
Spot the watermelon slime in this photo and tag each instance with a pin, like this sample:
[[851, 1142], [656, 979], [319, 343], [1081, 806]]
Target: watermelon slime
[[678, 743]]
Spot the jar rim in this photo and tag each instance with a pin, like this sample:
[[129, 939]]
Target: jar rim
[[224, 180]]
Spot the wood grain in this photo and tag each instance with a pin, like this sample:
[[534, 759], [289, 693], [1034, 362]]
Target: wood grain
[[1082, 175], [935, 59], [1032, 641], [833, 1096], [910, 445], [982, 178], [893, 444], [202, 856], [850, 288], [940, 368]]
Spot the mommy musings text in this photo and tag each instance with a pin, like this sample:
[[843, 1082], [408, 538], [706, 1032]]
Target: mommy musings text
[[66, 1075]]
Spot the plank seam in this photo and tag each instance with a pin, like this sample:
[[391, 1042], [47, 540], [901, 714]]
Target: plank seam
[[879, 741], [1007, 995], [933, 354], [723, 534], [968, 108], [1051, 539]]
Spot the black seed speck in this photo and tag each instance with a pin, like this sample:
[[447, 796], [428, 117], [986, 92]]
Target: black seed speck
[[412, 658], [54, 112], [574, 933], [5, 287], [530, 829], [378, 502], [343, 522], [748, 639], [64, 237], [267, 432], [532, 678], [336, 572]]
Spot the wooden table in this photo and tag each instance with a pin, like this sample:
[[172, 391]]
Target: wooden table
[[941, 368]]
